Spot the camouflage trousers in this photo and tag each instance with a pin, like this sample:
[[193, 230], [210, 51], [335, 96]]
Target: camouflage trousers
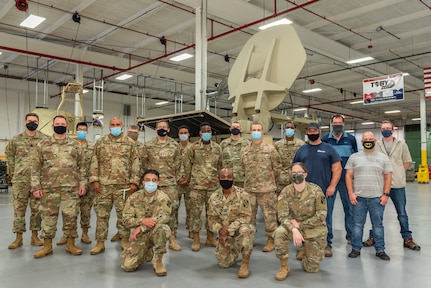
[[198, 199], [110, 195], [134, 255], [85, 208], [172, 192], [268, 205], [53, 198], [184, 191], [242, 241], [314, 248], [21, 195]]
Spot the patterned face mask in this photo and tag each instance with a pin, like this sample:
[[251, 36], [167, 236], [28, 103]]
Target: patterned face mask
[[297, 178]]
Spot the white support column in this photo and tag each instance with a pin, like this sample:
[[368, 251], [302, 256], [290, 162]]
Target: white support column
[[79, 78], [201, 56]]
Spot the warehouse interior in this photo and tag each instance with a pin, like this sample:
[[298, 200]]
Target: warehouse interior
[[97, 41]]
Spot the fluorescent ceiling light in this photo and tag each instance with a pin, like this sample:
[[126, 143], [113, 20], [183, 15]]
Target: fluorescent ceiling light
[[299, 109], [124, 77], [324, 127], [359, 60], [283, 21], [350, 131], [392, 111], [357, 102], [181, 57], [85, 91], [416, 119], [162, 103], [406, 74], [1, 52], [32, 21], [312, 90], [367, 123]]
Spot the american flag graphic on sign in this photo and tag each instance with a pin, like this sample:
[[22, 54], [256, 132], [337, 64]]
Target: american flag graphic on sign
[[427, 82]]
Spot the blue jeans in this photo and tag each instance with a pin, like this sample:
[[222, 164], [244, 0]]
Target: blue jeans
[[330, 201], [398, 196], [359, 212], [347, 207]]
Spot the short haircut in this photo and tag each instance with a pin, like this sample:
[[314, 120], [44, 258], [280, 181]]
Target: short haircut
[[134, 127], [204, 124], [32, 114], [59, 116], [81, 124], [256, 123], [388, 122], [337, 116], [183, 127], [289, 122], [162, 121], [152, 171], [302, 165]]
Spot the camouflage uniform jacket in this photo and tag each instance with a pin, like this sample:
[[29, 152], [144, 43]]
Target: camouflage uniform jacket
[[19, 152], [115, 161], [140, 206], [201, 164], [87, 148], [182, 151], [262, 166], [58, 163], [163, 157], [287, 150], [308, 208], [231, 211], [231, 154]]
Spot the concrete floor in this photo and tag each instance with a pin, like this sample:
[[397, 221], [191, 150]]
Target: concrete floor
[[407, 268]]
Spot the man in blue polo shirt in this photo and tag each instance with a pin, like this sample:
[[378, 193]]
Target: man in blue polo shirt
[[345, 144], [324, 169]]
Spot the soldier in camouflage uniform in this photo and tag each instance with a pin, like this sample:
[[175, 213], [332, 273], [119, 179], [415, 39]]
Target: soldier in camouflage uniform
[[231, 153], [19, 152], [286, 149], [262, 166], [163, 154], [114, 170], [147, 212], [183, 185], [229, 215], [201, 163], [59, 178], [86, 201], [301, 213]]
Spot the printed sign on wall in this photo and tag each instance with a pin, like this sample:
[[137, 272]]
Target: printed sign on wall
[[427, 82], [383, 89]]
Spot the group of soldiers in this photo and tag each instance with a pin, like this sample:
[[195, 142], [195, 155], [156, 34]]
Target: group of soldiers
[[145, 182]]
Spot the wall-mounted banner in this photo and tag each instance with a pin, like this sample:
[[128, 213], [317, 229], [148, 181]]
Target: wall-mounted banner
[[427, 82], [383, 89]]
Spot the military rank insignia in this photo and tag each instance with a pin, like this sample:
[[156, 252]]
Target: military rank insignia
[[245, 203]]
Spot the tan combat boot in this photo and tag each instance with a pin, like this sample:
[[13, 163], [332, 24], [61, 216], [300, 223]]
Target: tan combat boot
[[84, 237], [99, 248], [159, 269], [244, 272], [71, 248], [284, 270], [269, 245], [196, 245], [35, 241], [17, 242], [211, 242], [173, 245], [116, 237], [61, 241], [46, 250]]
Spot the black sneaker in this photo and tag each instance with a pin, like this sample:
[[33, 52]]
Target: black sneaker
[[382, 255], [354, 253]]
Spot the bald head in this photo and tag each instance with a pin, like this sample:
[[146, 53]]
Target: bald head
[[226, 174]]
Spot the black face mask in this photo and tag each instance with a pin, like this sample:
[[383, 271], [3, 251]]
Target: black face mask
[[162, 132], [368, 144], [60, 129], [31, 126], [226, 184], [313, 137], [235, 131], [337, 130]]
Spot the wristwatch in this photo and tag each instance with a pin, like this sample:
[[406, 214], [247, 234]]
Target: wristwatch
[[386, 194]]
